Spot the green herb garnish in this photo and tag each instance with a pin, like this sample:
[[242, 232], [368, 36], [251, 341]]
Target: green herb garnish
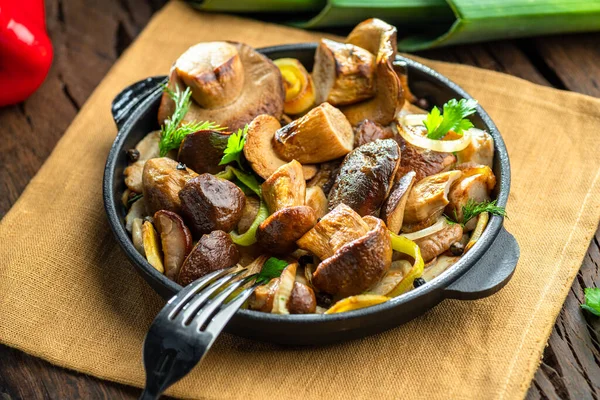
[[271, 269], [592, 301], [453, 119], [473, 209], [173, 132], [235, 147]]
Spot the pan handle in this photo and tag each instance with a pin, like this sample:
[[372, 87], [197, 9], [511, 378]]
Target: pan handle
[[490, 273], [132, 96]]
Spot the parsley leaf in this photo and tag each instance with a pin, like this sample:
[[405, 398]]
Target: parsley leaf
[[173, 132], [473, 209], [271, 269], [453, 119], [235, 147], [592, 301]]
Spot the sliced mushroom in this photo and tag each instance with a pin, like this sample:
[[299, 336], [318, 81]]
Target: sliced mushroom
[[368, 131], [316, 199], [299, 88], [338, 227], [392, 211], [379, 38], [437, 243], [283, 292], [286, 187], [137, 235], [284, 193], [176, 240], [301, 301], [136, 211], [146, 149], [343, 73], [366, 177], [438, 266], [480, 150], [152, 246], [262, 297], [427, 199], [209, 203], [213, 251], [213, 72], [202, 151], [248, 214], [424, 162], [323, 134], [357, 265], [476, 184], [325, 176], [162, 182], [259, 151]]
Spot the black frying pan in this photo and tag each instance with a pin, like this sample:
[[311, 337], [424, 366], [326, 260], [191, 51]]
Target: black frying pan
[[484, 270]]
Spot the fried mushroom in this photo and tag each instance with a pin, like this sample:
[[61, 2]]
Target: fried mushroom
[[162, 181]]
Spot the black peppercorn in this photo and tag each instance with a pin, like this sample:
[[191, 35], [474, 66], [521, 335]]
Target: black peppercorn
[[419, 282], [457, 249], [323, 299], [133, 155], [181, 166]]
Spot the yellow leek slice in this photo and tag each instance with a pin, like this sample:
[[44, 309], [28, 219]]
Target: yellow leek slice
[[356, 302]]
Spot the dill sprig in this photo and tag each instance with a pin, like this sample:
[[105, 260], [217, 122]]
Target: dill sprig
[[473, 209], [173, 131]]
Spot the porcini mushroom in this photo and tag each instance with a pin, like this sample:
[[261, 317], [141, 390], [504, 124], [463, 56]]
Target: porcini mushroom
[[475, 184], [259, 151], [392, 211], [368, 131], [427, 199], [423, 162], [202, 151], [231, 83], [366, 177], [379, 38], [284, 194], [323, 134], [480, 149], [343, 73], [175, 238], [162, 181], [213, 251], [315, 198], [354, 255], [437, 243], [209, 203], [146, 149]]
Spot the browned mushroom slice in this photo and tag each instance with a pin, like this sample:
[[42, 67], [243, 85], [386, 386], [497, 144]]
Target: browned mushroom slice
[[323, 134], [209, 203], [262, 90], [284, 192], [213, 71], [259, 151], [368, 131], [475, 184], [428, 197], [212, 252], [176, 240], [480, 149], [392, 211], [338, 227], [301, 301], [248, 214], [343, 73], [424, 162], [316, 199], [202, 151], [146, 149], [379, 38], [366, 177], [437, 243], [286, 187], [162, 181], [279, 232], [357, 265]]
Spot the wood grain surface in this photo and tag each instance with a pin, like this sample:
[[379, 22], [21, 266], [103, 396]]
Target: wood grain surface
[[88, 37]]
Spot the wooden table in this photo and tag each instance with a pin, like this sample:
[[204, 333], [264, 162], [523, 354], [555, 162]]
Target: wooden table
[[88, 37]]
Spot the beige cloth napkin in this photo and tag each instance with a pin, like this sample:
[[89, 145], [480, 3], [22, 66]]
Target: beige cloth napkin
[[69, 295]]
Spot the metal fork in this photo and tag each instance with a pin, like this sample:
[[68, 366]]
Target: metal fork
[[188, 325]]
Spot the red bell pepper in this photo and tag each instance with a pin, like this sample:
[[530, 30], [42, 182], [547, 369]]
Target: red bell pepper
[[25, 49]]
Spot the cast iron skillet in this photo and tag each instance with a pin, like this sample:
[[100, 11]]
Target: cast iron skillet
[[484, 270]]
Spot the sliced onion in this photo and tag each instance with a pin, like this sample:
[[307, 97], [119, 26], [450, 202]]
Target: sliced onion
[[284, 290], [392, 278], [412, 134], [438, 226]]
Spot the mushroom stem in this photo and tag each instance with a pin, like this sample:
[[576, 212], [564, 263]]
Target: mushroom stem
[[286, 187]]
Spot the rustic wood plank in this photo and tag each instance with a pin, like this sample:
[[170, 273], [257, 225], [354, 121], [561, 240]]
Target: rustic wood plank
[[88, 37]]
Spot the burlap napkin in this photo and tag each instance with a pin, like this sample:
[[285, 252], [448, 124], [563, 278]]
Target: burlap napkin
[[70, 296]]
